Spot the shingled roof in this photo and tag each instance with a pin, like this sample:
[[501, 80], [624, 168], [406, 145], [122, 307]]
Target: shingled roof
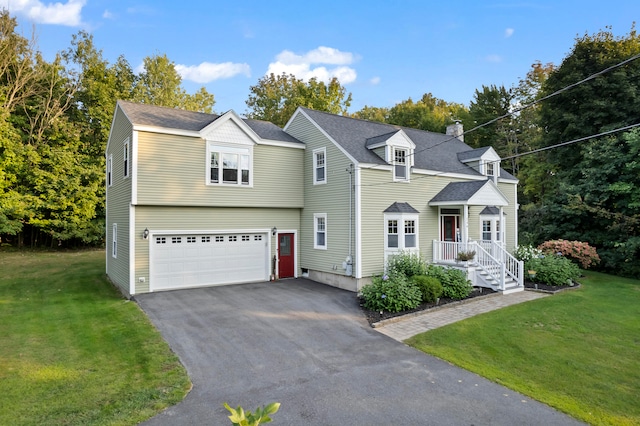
[[434, 151], [178, 119]]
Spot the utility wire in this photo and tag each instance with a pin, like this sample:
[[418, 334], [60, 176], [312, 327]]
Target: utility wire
[[561, 144], [517, 110]]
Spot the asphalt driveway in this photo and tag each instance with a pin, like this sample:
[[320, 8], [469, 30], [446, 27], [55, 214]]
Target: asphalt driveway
[[307, 346]]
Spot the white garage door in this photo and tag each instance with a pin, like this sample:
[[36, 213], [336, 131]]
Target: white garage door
[[182, 261]]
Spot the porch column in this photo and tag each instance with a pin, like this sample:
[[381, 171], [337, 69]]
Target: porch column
[[502, 227], [465, 224]]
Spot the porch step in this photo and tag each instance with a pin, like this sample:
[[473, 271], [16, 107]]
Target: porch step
[[510, 285]]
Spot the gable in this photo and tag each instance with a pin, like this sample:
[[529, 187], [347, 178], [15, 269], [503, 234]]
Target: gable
[[471, 193], [230, 132]]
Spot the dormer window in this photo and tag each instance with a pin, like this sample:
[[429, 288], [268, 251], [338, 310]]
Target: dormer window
[[400, 164], [490, 169]]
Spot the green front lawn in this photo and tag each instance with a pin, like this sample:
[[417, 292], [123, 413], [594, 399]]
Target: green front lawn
[[73, 351], [577, 351]]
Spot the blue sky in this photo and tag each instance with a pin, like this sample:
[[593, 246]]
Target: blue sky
[[382, 51]]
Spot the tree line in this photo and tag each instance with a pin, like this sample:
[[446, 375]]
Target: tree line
[[55, 119]]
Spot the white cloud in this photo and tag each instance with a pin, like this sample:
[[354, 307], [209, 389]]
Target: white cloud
[[302, 65], [68, 13], [207, 72], [108, 15], [493, 58], [375, 81], [508, 32]]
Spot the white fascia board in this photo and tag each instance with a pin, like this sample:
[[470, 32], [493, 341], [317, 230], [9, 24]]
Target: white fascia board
[[448, 174], [166, 131], [505, 180], [370, 166], [347, 154], [283, 144], [208, 231]]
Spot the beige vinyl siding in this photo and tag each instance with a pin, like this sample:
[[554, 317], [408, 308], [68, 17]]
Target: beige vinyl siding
[[173, 170], [378, 193], [185, 219], [118, 203], [331, 198]]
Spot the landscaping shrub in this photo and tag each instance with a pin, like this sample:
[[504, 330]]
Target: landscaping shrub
[[526, 253], [430, 287], [578, 251], [408, 264], [553, 270], [455, 284], [391, 293]]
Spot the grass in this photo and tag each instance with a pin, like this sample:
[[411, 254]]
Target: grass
[[577, 351], [73, 351]]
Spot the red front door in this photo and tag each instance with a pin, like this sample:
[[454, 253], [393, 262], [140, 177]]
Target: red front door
[[450, 228], [286, 253]]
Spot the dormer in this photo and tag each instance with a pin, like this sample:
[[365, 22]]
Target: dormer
[[397, 149], [484, 160]]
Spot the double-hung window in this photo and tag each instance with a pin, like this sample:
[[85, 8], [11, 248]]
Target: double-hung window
[[114, 241], [320, 166], [110, 170], [229, 165], [320, 231], [400, 164], [401, 232], [490, 168], [125, 158]]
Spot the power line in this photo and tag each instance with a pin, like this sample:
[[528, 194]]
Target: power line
[[561, 144], [517, 110]]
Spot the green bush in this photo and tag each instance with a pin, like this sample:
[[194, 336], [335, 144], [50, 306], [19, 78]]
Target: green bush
[[391, 293], [408, 264], [455, 284], [553, 270], [430, 287]]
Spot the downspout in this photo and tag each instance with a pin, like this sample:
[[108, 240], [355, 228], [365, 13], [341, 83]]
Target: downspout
[[349, 261]]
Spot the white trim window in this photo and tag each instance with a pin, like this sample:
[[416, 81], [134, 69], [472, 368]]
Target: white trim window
[[114, 240], [110, 170], [490, 168], [401, 232], [490, 228], [229, 165], [125, 158], [320, 231], [319, 166], [400, 164]]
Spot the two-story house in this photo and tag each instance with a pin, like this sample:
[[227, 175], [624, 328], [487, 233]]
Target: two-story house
[[199, 199]]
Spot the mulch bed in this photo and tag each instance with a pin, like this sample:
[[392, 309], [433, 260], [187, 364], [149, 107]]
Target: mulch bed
[[543, 288], [375, 316]]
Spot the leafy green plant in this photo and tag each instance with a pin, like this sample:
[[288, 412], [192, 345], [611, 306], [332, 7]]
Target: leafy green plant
[[392, 293], [455, 284], [553, 270], [464, 256], [579, 251], [406, 263], [526, 253], [430, 287], [239, 417]]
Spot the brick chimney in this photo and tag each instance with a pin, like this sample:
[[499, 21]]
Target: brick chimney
[[456, 130]]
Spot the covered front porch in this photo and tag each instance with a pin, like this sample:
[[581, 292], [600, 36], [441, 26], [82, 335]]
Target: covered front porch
[[485, 259]]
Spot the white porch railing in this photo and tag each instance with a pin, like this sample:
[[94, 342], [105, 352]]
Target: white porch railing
[[491, 258]]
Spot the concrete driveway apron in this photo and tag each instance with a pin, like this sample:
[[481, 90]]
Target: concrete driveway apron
[[307, 346]]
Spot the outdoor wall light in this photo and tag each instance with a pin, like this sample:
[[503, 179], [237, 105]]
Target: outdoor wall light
[[145, 233], [274, 231]]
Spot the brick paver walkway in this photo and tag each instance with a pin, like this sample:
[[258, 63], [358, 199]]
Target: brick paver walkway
[[404, 327]]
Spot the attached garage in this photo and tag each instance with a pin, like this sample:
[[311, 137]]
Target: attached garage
[[195, 260]]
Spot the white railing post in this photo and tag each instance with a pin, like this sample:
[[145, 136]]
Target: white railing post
[[502, 276]]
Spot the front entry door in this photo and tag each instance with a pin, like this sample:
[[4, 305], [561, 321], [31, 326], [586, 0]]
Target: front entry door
[[450, 228], [286, 255]]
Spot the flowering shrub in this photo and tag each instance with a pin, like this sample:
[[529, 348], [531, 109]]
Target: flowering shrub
[[406, 263], [579, 251], [391, 293], [526, 253], [455, 284], [553, 270]]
